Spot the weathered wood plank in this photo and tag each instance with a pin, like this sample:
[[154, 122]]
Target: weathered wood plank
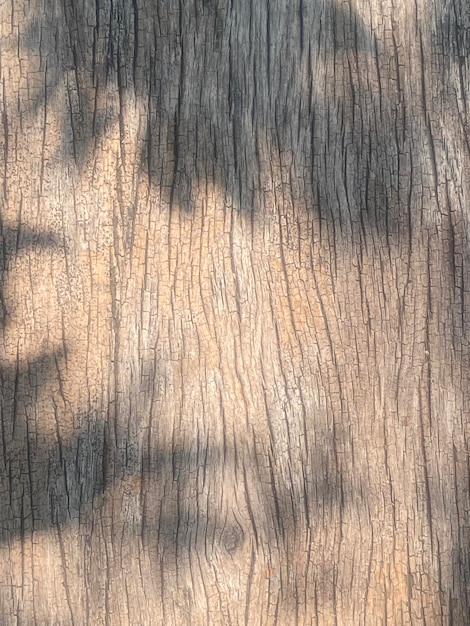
[[234, 358]]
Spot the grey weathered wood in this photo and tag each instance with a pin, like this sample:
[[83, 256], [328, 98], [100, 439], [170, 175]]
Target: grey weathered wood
[[235, 312]]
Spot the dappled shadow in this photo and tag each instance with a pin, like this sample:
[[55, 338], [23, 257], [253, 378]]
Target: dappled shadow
[[256, 94], [351, 142], [210, 129], [21, 384], [50, 481]]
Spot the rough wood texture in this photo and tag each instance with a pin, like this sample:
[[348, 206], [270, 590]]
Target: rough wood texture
[[235, 312]]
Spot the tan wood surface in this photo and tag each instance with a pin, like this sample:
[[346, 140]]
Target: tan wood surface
[[235, 315]]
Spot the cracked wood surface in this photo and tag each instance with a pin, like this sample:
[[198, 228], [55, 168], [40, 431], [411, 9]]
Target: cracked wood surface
[[234, 312]]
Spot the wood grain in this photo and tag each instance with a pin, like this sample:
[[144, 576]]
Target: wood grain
[[233, 283]]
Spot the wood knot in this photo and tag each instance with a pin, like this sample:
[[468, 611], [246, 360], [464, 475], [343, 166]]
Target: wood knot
[[232, 538]]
